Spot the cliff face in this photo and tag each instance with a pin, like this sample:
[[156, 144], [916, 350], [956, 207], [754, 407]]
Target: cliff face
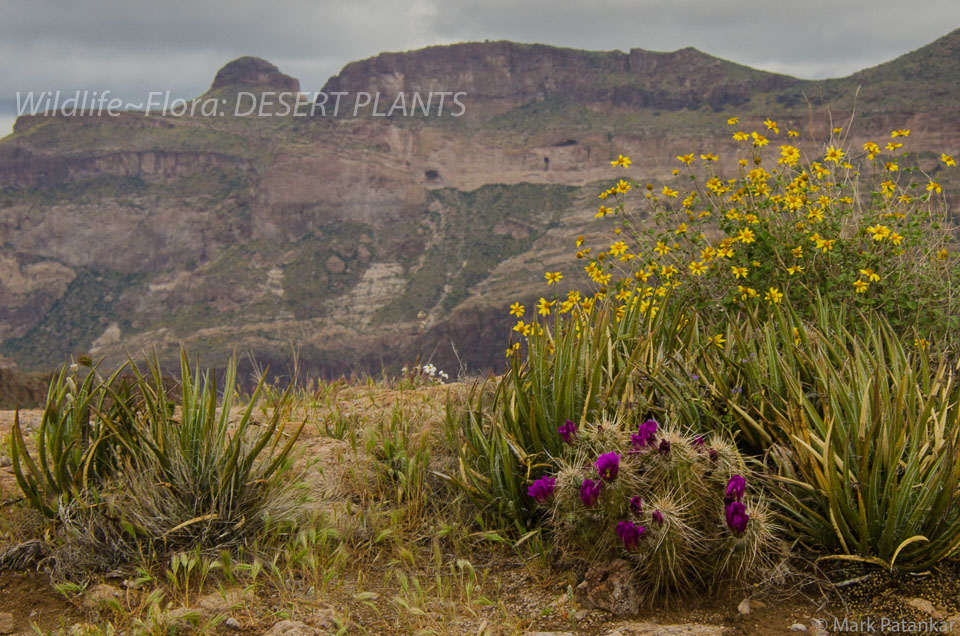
[[363, 241], [507, 75]]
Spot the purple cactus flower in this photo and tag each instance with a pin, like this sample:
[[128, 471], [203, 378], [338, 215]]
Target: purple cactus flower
[[629, 533], [636, 506], [713, 454], [590, 492], [737, 517], [698, 442], [735, 489], [664, 447], [608, 465], [645, 436], [542, 489], [568, 431], [657, 517]]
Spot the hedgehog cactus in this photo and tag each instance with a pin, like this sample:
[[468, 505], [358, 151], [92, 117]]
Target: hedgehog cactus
[[682, 508]]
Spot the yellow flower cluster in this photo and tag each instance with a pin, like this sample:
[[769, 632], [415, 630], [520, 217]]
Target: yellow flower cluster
[[758, 222]]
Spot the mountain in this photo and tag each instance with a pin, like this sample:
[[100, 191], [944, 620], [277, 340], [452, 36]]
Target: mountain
[[363, 241]]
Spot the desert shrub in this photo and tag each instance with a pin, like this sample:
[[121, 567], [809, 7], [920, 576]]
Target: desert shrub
[[865, 229], [675, 505]]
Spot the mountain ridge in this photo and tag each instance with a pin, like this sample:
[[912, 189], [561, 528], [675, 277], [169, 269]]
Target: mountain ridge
[[365, 241]]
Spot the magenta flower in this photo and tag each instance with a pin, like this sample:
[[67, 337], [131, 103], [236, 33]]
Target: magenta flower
[[590, 492], [636, 506], [608, 465], [698, 442], [629, 533], [657, 517], [737, 517], [647, 432], [735, 489], [713, 453], [664, 447], [542, 489], [568, 431]]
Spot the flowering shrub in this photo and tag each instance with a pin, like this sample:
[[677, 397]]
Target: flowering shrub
[[675, 505], [862, 227]]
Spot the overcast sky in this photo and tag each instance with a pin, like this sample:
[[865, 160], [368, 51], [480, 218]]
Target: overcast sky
[[131, 47]]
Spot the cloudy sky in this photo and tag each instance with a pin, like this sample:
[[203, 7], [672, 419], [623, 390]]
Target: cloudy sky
[[131, 47]]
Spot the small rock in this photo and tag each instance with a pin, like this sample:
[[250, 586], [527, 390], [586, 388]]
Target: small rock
[[223, 601], [324, 619], [6, 623], [99, 594], [927, 607], [611, 587], [181, 619], [747, 605], [291, 628], [232, 623], [798, 627]]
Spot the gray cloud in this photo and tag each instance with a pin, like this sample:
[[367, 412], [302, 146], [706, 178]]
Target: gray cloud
[[132, 47]]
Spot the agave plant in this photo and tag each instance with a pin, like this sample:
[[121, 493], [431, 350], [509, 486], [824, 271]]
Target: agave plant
[[863, 430], [206, 475], [86, 422]]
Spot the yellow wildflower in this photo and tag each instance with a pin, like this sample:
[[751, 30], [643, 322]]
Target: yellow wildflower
[[669, 193], [739, 272], [686, 159], [733, 121], [621, 161], [543, 306], [871, 275], [516, 309], [900, 133], [833, 154], [934, 186], [773, 296], [716, 340], [860, 285], [553, 277], [618, 248], [947, 160], [697, 268]]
